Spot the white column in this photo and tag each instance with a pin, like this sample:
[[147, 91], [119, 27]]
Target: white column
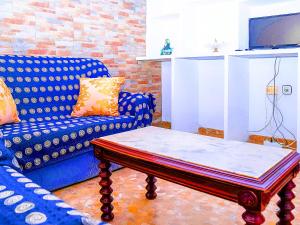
[[184, 95], [236, 103]]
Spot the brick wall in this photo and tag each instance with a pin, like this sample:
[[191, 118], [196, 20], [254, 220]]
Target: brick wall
[[112, 30]]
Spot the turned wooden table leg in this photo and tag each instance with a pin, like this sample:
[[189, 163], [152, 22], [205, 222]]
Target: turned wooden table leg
[[106, 191], [253, 217], [151, 194], [285, 204], [249, 200]]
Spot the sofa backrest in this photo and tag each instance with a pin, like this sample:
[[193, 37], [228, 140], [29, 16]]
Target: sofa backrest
[[46, 88]]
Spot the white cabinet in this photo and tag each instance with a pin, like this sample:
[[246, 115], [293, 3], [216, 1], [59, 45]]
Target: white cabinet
[[218, 90], [223, 91]]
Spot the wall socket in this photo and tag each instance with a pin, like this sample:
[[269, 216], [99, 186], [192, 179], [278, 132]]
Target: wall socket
[[287, 89], [272, 90]]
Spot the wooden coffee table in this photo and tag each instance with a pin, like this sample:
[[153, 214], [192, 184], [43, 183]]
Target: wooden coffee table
[[245, 173]]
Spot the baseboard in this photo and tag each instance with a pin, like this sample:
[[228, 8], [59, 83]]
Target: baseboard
[[255, 139], [260, 139], [211, 132], [163, 124]]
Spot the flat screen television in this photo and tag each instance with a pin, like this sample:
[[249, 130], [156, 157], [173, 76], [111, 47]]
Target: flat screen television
[[280, 31]]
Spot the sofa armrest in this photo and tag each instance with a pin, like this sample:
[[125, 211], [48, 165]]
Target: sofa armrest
[[139, 105]]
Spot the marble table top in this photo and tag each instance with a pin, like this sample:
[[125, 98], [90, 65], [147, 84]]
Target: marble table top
[[241, 158]]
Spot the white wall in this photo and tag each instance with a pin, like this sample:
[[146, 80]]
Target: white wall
[[276, 8], [260, 73], [158, 30], [258, 8], [162, 22], [202, 24], [262, 70], [192, 26]]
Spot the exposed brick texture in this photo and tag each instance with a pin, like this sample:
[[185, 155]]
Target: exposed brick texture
[[111, 30]]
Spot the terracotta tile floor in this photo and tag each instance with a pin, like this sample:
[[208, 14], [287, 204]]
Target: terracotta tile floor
[[175, 205]]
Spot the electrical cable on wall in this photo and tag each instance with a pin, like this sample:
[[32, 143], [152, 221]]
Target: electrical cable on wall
[[276, 115]]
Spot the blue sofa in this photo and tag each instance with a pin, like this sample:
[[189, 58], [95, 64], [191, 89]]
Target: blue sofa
[[52, 148], [24, 202]]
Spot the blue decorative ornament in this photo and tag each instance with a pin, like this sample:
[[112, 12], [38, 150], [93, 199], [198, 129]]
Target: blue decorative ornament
[[167, 50]]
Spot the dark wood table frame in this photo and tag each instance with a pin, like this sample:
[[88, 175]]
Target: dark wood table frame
[[252, 194]]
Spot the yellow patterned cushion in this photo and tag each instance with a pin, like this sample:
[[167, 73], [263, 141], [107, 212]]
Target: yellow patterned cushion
[[98, 97], [8, 108]]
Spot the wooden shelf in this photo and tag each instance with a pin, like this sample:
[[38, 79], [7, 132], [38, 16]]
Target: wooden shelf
[[268, 53], [207, 56], [160, 58]]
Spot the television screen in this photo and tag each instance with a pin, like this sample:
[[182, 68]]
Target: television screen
[[274, 31]]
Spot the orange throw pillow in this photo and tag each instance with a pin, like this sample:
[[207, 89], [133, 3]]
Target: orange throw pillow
[[8, 108], [98, 97]]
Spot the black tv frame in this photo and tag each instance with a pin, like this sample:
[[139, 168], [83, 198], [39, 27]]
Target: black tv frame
[[271, 46]]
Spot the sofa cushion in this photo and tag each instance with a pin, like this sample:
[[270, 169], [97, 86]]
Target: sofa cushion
[[8, 108], [36, 144], [46, 88], [24, 202], [98, 96]]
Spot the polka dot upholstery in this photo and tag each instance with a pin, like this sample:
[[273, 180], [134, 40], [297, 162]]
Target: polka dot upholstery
[[6, 156], [45, 90], [24, 202], [140, 105], [35, 144]]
